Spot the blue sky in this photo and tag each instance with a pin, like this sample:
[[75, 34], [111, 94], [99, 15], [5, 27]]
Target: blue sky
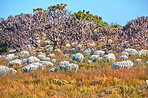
[[116, 11]]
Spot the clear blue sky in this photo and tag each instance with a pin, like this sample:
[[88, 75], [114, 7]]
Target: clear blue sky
[[116, 11]]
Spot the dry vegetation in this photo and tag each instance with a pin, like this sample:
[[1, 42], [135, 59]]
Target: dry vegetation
[[91, 80], [97, 79]]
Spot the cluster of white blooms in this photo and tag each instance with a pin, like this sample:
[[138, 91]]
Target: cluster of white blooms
[[51, 55], [72, 66], [139, 53], [10, 57], [147, 83], [146, 51], [67, 55], [46, 59], [41, 57], [37, 40], [68, 45], [46, 64], [17, 61], [0, 56], [53, 61], [124, 53], [4, 70], [99, 52], [146, 62], [41, 53], [123, 57], [123, 64], [142, 52], [65, 65], [87, 51], [100, 58], [32, 67], [23, 61], [23, 54], [89, 61], [138, 60], [74, 43], [78, 57], [94, 57], [32, 59], [110, 41], [91, 44], [54, 69], [48, 48], [79, 46], [12, 50], [47, 42], [57, 50], [73, 50], [110, 57], [131, 52]]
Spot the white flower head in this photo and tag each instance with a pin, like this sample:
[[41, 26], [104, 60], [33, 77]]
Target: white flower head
[[147, 82]]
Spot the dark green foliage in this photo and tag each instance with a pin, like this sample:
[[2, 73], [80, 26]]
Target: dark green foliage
[[82, 15], [3, 47], [116, 26], [57, 7]]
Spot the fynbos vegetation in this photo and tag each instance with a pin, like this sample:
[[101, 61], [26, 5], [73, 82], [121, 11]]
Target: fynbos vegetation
[[56, 53]]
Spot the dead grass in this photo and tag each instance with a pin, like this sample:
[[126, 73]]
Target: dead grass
[[91, 80]]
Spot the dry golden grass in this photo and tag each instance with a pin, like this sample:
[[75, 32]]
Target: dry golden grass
[[91, 80]]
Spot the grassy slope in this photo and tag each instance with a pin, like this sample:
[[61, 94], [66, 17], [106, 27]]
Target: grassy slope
[[91, 80]]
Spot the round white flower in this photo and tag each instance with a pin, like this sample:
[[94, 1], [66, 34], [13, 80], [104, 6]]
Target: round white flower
[[23, 54], [65, 65], [46, 59], [123, 64], [23, 61], [32, 59], [73, 50], [10, 57], [41, 53], [110, 41], [94, 57], [138, 60], [123, 57], [110, 57], [4, 70], [47, 42], [78, 57], [68, 45], [51, 55], [54, 69], [17, 61], [41, 57], [32, 67], [57, 50], [125, 53], [79, 46], [45, 63], [53, 60], [131, 52], [87, 51], [48, 48], [141, 52], [99, 52], [89, 61], [74, 43]]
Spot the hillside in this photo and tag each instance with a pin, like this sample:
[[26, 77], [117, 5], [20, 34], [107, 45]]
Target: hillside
[[55, 53]]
